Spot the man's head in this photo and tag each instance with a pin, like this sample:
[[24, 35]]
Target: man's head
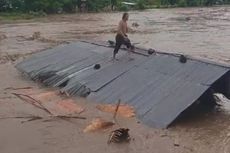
[[125, 17]]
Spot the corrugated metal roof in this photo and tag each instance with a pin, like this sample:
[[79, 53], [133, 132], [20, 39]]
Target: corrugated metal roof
[[158, 86]]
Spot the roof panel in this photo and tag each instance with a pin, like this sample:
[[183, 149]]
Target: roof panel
[[158, 86]]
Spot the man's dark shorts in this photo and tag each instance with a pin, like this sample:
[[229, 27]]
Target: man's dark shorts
[[119, 41]]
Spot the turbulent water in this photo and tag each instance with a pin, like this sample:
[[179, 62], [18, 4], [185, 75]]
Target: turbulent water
[[200, 32]]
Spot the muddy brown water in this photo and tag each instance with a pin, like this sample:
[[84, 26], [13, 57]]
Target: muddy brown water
[[198, 32]]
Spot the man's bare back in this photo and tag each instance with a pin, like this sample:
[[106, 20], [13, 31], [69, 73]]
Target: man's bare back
[[122, 28]]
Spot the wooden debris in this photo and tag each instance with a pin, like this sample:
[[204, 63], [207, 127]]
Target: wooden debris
[[33, 118], [19, 117], [51, 101], [98, 124], [66, 117], [122, 109], [51, 118], [115, 112], [30, 118], [47, 101], [32, 101], [19, 88], [118, 136]]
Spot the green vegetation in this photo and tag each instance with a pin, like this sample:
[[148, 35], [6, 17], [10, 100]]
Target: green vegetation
[[47, 6], [30, 8]]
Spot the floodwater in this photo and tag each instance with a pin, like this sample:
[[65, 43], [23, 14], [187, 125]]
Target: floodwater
[[198, 32]]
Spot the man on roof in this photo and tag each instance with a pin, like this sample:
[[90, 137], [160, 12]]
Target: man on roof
[[122, 37]]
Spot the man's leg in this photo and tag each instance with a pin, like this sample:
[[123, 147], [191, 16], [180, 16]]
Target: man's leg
[[119, 40], [127, 42], [116, 49]]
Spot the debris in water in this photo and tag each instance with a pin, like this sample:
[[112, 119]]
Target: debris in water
[[70, 116], [50, 102], [70, 106], [63, 117], [30, 118], [123, 110], [33, 118], [135, 24], [176, 142], [118, 136], [98, 124], [36, 35], [2, 36], [220, 98], [32, 101], [19, 88]]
